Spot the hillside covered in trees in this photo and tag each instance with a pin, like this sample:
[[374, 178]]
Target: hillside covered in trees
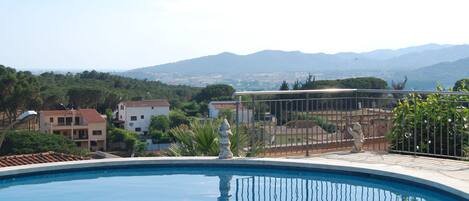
[[21, 90]]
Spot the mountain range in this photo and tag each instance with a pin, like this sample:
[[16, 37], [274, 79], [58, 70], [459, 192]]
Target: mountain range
[[445, 63]]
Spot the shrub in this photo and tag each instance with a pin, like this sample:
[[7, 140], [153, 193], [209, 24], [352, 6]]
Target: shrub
[[321, 122], [201, 139], [133, 145], [177, 118], [158, 136], [160, 123], [27, 142], [431, 124]]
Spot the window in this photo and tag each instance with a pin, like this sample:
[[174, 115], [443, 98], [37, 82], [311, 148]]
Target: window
[[133, 118], [122, 107], [145, 132], [131, 124], [82, 134], [51, 119], [152, 108], [77, 120], [61, 120], [138, 129], [68, 120], [97, 132], [94, 143], [142, 117]]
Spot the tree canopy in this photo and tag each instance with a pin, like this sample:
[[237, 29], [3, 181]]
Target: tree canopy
[[21, 90], [461, 85], [215, 92], [18, 91]]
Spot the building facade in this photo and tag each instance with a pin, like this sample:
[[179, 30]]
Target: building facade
[[86, 127], [136, 115], [215, 107]]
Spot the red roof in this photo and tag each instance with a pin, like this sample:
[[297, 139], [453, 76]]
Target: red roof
[[147, 103], [47, 157], [224, 105], [90, 115]]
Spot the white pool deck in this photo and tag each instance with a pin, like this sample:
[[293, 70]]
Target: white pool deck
[[448, 175]]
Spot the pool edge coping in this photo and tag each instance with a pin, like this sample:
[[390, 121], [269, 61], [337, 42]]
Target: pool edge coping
[[423, 177]]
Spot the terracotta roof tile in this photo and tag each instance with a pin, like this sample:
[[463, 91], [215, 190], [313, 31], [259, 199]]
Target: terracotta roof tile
[[147, 103], [91, 116], [224, 105], [47, 157]]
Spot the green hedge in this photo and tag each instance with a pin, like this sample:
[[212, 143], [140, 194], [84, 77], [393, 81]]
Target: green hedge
[[436, 124]]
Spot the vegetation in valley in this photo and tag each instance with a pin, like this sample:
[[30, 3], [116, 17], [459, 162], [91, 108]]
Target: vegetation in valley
[[27, 142]]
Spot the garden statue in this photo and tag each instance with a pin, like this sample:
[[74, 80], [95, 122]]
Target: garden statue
[[225, 132], [358, 137]]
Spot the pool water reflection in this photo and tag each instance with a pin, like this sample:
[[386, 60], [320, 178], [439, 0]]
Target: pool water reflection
[[207, 183]]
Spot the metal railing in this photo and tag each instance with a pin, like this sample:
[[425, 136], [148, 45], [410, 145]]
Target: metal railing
[[297, 122]]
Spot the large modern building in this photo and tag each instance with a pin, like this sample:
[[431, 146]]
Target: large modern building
[[136, 115], [86, 127]]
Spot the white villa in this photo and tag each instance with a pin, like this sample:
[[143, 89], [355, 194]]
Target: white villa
[[214, 108], [136, 115]]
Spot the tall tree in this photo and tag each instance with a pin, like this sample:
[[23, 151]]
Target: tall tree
[[215, 92], [399, 85], [284, 86], [85, 98], [19, 91], [461, 85]]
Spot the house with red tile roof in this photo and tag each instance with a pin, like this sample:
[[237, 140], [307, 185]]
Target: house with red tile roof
[[136, 115], [47, 157], [86, 127]]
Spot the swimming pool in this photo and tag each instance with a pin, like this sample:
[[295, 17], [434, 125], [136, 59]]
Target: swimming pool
[[215, 182]]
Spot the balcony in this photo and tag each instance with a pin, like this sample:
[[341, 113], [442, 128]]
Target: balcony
[[432, 123]]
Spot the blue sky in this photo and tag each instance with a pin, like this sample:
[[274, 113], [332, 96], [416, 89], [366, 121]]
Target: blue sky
[[114, 35]]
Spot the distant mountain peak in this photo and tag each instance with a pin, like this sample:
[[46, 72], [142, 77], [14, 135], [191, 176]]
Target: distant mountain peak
[[227, 54], [403, 59]]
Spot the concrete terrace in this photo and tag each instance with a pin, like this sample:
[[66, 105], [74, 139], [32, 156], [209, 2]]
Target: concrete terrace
[[454, 169]]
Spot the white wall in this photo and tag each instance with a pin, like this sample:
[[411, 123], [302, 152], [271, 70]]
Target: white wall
[[212, 111], [244, 116], [143, 124]]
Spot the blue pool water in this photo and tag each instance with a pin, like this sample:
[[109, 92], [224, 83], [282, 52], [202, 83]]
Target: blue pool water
[[207, 183]]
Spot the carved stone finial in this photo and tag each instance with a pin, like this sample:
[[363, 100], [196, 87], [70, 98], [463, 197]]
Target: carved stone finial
[[225, 132], [358, 137]]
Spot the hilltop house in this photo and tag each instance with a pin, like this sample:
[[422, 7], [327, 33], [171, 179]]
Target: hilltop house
[[86, 127], [215, 107], [136, 115]]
